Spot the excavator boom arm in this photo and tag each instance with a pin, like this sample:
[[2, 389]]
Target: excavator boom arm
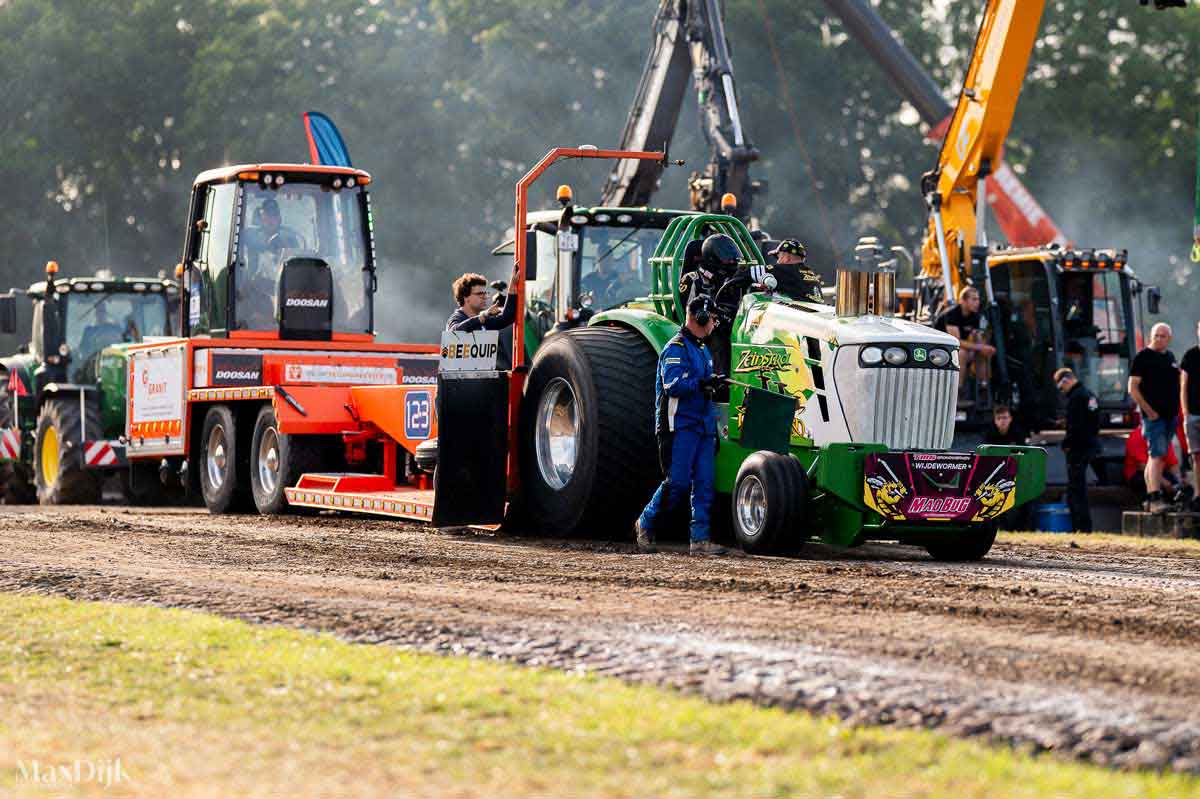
[[989, 97], [975, 137], [1024, 222], [655, 112], [689, 42]]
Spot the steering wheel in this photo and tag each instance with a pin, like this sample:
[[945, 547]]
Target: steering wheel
[[277, 243]]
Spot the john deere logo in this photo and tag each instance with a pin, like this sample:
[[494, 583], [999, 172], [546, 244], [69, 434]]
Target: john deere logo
[[919, 355], [761, 361]]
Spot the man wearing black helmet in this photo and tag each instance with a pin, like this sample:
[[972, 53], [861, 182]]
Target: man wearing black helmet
[[791, 271], [686, 429], [721, 275]]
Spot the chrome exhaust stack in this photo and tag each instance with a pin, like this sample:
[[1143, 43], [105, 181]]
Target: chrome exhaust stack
[[883, 291], [870, 288], [853, 292]]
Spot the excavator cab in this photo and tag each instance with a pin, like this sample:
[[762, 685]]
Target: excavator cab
[[1065, 308]]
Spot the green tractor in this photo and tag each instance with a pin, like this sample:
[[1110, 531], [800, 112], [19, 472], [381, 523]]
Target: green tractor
[[837, 424], [62, 396]]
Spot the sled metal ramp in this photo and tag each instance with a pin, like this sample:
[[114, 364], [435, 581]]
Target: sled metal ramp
[[362, 493]]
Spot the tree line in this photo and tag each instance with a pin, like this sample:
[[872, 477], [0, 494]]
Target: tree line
[[113, 107]]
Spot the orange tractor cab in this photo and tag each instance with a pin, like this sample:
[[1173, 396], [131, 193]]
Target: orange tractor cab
[[278, 316]]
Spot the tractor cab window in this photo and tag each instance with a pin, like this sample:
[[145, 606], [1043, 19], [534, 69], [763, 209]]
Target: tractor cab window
[[540, 293], [1023, 295], [95, 320], [302, 220], [209, 259], [614, 263], [1094, 332]]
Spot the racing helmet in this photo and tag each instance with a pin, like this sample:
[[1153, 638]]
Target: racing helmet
[[720, 254]]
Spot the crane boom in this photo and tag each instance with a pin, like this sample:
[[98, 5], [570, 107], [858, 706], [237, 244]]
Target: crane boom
[[1019, 215], [975, 137], [689, 40], [655, 111]]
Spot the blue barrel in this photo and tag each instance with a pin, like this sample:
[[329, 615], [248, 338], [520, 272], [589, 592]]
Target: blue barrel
[[1052, 517]]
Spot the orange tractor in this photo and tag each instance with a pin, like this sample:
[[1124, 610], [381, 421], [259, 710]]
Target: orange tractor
[[277, 325]]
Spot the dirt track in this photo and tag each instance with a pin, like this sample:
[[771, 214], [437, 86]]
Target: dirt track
[[1089, 651]]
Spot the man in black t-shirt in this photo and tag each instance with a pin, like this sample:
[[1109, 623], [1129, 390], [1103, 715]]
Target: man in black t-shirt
[[1189, 400], [792, 274], [967, 324], [1154, 386], [1006, 432]]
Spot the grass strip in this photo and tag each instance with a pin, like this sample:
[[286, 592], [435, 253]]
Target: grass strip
[[1106, 542], [199, 705]]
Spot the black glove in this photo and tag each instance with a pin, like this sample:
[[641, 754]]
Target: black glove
[[710, 384]]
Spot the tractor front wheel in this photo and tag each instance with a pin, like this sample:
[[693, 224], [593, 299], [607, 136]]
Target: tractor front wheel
[[972, 544], [59, 470], [769, 499]]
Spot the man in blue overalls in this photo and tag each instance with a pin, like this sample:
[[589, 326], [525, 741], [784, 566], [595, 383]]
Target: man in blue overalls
[[686, 427]]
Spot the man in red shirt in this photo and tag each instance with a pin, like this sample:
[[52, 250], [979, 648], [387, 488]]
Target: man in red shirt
[[1137, 453]]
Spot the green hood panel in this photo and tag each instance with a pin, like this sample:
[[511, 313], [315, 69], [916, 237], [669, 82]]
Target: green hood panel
[[655, 328]]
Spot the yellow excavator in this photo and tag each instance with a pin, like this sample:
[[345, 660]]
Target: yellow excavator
[[1048, 305]]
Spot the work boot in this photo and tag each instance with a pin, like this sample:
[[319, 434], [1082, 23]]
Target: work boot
[[645, 540], [1157, 503], [707, 548]]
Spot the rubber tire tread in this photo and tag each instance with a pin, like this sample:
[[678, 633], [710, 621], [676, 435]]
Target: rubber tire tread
[[234, 494], [297, 455], [617, 469], [778, 479], [76, 484], [969, 546], [793, 535]]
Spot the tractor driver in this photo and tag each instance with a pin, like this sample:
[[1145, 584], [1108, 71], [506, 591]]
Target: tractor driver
[[265, 246], [720, 275], [273, 235]]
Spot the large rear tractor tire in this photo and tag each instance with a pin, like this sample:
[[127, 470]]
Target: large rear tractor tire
[[973, 544], [224, 467], [58, 464], [277, 460], [770, 497], [588, 457]]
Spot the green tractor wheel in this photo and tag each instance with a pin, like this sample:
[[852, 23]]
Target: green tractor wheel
[[770, 497], [58, 465], [972, 544], [587, 432]]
